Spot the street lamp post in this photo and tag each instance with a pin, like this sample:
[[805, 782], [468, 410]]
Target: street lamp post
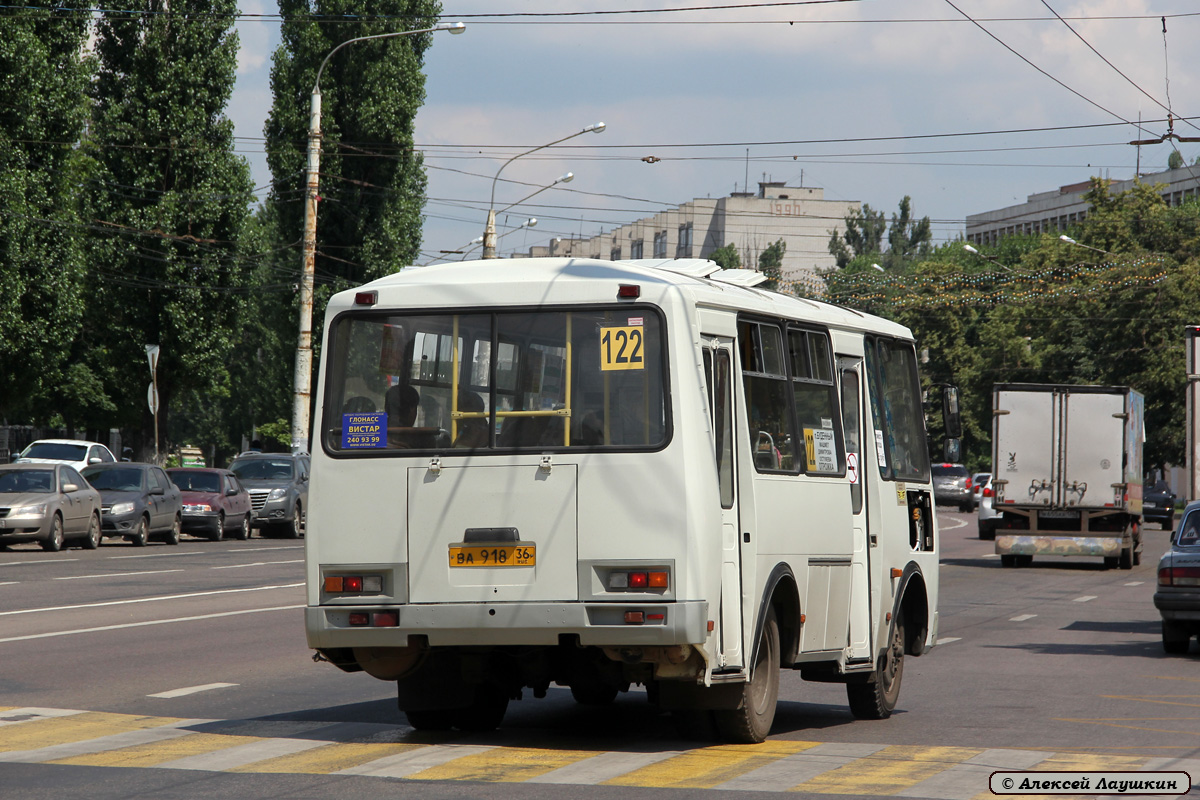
[[303, 374], [992, 259], [489, 232], [1069, 240]]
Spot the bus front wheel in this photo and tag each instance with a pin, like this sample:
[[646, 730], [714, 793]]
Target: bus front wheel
[[876, 697]]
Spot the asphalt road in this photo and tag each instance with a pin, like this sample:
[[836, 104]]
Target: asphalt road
[[182, 672]]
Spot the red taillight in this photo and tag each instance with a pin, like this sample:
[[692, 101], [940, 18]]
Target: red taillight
[[1179, 576], [639, 580], [629, 291], [366, 298], [337, 584], [969, 483], [386, 619], [359, 618], [987, 492], [635, 617], [352, 584]]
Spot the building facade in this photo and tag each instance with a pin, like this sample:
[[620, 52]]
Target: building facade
[[800, 216], [1055, 211]]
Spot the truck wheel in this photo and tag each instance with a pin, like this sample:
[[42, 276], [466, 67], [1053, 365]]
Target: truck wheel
[[1024, 561], [1127, 558], [594, 694], [1008, 561], [986, 532], [750, 722], [876, 698], [1111, 562], [1175, 638]]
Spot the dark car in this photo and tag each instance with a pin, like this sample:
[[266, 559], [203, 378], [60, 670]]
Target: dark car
[[1158, 504], [140, 502], [1178, 595], [952, 486], [278, 486], [48, 504], [214, 502]]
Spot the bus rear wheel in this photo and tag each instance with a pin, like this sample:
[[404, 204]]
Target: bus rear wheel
[[876, 697], [486, 711], [750, 722]]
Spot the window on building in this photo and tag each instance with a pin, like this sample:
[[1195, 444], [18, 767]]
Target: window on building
[[685, 240], [635, 248], [615, 253], [660, 244]]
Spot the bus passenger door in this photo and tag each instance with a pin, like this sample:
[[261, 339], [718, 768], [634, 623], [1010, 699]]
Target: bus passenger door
[[718, 368], [860, 572]]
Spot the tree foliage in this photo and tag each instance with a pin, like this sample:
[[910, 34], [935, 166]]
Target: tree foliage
[[862, 241], [770, 263], [171, 200], [726, 257], [43, 110]]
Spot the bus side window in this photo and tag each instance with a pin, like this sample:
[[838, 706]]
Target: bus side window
[[771, 431], [816, 402]]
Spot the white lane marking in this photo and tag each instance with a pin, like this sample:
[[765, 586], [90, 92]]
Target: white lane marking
[[147, 623], [15, 716], [1085, 598], [9, 583], [949, 639], [958, 523], [1022, 618], [27, 563], [202, 552], [116, 574], [241, 755], [990, 555], [1135, 583], [413, 761], [191, 690], [260, 564], [151, 599]]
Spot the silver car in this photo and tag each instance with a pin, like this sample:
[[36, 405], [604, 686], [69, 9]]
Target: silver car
[[988, 516], [952, 486], [1178, 595], [48, 504]]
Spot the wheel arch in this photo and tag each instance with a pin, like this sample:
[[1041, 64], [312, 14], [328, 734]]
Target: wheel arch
[[782, 593], [912, 602]]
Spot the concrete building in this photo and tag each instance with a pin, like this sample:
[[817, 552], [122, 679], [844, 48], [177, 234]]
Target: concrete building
[[1058, 210], [801, 216]]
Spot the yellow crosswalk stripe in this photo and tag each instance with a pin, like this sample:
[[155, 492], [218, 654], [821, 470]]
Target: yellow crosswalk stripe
[[327, 759], [77, 728], [1084, 762], [709, 766], [888, 771], [503, 765], [151, 755]]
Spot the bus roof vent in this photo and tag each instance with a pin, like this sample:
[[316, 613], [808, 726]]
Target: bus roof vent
[[739, 277], [693, 267]]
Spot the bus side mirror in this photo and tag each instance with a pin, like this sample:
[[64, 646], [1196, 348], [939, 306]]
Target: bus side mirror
[[952, 450], [951, 416]]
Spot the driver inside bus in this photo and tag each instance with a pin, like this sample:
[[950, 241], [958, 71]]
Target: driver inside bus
[[401, 403]]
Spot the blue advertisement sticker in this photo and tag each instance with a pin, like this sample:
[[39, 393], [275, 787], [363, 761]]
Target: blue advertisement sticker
[[364, 430]]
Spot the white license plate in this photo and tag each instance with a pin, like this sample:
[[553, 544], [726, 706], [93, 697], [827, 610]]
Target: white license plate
[[1058, 514]]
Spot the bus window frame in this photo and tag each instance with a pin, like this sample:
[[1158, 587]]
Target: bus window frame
[[874, 384], [337, 344]]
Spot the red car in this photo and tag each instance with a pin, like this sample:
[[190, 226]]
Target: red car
[[214, 502]]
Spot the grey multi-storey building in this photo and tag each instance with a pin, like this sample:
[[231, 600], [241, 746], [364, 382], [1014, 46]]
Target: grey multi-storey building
[[1058, 210], [800, 216]]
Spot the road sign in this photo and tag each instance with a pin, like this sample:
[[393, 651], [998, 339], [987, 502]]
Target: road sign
[[852, 467], [152, 398], [152, 355]]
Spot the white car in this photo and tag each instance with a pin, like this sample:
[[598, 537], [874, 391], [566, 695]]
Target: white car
[[77, 453]]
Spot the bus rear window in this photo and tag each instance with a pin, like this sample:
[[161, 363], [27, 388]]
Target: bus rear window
[[537, 380]]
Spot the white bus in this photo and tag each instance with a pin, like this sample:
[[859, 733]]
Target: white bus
[[601, 474]]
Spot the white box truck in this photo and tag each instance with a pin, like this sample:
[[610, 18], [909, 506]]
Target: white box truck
[[1067, 472]]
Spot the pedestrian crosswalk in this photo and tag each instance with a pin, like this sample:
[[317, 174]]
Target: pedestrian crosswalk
[[100, 739]]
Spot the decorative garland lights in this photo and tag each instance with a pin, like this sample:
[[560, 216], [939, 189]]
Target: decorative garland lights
[[903, 291]]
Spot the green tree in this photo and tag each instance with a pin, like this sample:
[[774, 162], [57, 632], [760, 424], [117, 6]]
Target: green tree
[[726, 257], [863, 236], [171, 201], [908, 238], [770, 262], [1175, 160], [43, 110]]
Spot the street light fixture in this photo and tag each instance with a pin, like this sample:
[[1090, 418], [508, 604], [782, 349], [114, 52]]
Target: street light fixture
[[529, 223], [1069, 240], [303, 374], [489, 231], [992, 259]]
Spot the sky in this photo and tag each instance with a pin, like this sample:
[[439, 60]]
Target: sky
[[966, 106]]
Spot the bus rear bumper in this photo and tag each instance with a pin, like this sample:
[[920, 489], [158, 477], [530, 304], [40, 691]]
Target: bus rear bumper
[[447, 624]]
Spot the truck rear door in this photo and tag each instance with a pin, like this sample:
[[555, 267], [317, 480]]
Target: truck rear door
[[1024, 433]]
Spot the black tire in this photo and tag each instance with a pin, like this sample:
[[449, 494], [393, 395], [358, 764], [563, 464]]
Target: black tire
[[1169, 525], [54, 541], [1008, 560], [1175, 638], [243, 532], [1111, 562], [486, 711], [437, 719], [218, 534], [93, 535], [987, 532], [175, 532], [295, 526], [1126, 560], [594, 694], [876, 697], [142, 535], [751, 721], [1024, 561]]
